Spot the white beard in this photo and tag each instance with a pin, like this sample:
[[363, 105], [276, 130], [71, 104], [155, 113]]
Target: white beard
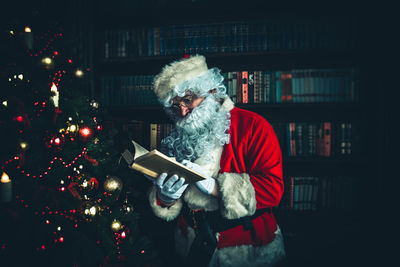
[[200, 131]]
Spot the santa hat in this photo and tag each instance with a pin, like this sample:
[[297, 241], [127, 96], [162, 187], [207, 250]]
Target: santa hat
[[187, 74]]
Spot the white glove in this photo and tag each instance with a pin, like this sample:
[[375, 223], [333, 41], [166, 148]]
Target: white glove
[[172, 189], [207, 185]]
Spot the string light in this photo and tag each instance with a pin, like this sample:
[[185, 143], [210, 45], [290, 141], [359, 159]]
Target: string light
[[45, 36], [47, 60], [85, 131], [116, 225], [79, 73], [93, 210], [66, 165], [72, 128], [23, 145]]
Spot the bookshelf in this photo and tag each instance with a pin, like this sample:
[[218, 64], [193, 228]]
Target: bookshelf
[[332, 172]]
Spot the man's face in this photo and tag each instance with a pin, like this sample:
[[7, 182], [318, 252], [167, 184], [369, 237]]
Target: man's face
[[182, 106]]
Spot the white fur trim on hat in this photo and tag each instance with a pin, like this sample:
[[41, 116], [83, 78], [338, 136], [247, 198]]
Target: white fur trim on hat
[[166, 213], [178, 72], [238, 196]]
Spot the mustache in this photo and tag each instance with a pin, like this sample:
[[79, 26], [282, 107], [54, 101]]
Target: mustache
[[198, 132], [199, 119]]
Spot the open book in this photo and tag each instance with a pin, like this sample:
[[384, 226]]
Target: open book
[[154, 163]]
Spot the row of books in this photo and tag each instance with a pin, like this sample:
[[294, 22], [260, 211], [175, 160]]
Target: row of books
[[227, 37], [127, 91], [159, 131], [247, 87], [148, 135], [326, 139], [320, 193], [301, 193], [292, 86], [297, 139]]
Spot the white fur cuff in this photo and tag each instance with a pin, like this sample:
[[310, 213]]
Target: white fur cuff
[[166, 213], [198, 200], [237, 195]]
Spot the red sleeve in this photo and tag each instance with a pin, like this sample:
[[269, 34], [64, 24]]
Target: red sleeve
[[264, 159]]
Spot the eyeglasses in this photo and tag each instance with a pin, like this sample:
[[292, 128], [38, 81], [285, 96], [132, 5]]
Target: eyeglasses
[[185, 101]]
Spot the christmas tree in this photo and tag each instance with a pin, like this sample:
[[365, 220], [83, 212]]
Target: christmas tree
[[66, 196]]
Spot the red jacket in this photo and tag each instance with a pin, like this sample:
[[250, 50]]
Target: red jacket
[[249, 175], [254, 149]]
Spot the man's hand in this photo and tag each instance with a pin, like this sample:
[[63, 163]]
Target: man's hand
[[170, 190], [207, 185]]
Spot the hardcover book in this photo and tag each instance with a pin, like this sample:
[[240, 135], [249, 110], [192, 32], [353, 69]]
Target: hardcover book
[[153, 163]]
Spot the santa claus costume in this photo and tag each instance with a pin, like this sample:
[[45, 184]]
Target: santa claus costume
[[247, 167]]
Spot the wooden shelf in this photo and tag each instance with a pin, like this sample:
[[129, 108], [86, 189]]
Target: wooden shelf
[[257, 60], [273, 112]]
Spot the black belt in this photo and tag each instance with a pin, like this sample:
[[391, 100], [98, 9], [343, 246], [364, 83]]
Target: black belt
[[217, 222]]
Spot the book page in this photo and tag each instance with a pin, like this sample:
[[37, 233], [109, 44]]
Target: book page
[[154, 163], [139, 150]]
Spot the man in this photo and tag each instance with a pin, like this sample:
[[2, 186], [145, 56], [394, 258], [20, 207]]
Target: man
[[226, 219]]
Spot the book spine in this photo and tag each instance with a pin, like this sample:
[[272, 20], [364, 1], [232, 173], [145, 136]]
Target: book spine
[[156, 38], [106, 53], [239, 87], [289, 86], [349, 138], [319, 139], [153, 136], [283, 80], [234, 87], [296, 193], [342, 140], [291, 193], [250, 87], [278, 87], [257, 83], [230, 85], [160, 128], [245, 88], [327, 138], [314, 195], [299, 138], [291, 139]]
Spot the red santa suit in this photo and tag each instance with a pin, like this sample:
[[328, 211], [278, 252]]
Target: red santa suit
[[248, 171]]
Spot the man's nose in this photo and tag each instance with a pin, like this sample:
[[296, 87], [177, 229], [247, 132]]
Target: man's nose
[[184, 110]]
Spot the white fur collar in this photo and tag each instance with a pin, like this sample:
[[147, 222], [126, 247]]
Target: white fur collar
[[228, 104]]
